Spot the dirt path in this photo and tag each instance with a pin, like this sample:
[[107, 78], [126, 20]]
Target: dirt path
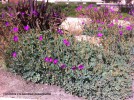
[[11, 83]]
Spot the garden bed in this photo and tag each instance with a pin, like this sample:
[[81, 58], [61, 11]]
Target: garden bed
[[42, 52]]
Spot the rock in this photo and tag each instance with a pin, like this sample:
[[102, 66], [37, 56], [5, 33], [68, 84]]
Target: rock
[[93, 40], [74, 25], [121, 22]]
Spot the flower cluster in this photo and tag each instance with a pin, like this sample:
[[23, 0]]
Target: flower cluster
[[79, 8], [51, 60], [66, 42], [60, 31], [80, 67]]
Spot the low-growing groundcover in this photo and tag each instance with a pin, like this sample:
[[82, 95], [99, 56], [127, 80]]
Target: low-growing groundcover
[[79, 67]]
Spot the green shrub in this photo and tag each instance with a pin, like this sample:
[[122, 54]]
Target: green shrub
[[115, 38], [105, 76], [69, 9]]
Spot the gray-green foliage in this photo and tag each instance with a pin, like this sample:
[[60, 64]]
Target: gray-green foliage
[[106, 76]]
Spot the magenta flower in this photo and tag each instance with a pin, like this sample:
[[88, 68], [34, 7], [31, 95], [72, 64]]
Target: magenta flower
[[99, 34], [60, 31], [50, 59], [7, 23], [55, 61], [102, 23], [35, 13], [89, 6], [11, 15], [111, 10], [95, 9], [46, 59], [106, 13], [83, 23], [15, 38], [74, 68], [120, 16], [14, 54], [15, 29], [97, 21], [26, 27], [129, 28], [110, 25], [66, 42], [126, 19], [40, 37], [120, 32], [79, 8], [80, 67], [22, 13], [120, 26], [100, 28], [63, 66]]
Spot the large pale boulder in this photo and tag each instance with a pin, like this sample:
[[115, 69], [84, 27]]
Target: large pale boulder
[[74, 25]]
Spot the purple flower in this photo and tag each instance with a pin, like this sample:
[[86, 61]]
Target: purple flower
[[63, 66], [60, 31], [83, 23], [2, 15], [26, 27], [89, 6], [55, 61], [35, 13], [126, 19], [99, 28], [120, 16], [22, 13], [46, 59], [66, 42], [110, 25], [97, 21], [102, 23], [120, 32], [95, 9], [111, 10], [129, 28], [80, 67], [79, 8], [99, 34], [40, 37], [11, 15], [14, 54], [7, 23], [74, 68], [120, 26], [50, 59], [106, 13], [15, 38], [15, 29]]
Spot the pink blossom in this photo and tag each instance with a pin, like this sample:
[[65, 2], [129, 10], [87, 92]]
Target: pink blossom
[[66, 42], [55, 61], [46, 59], [40, 37], [7, 23], [26, 27], [120, 32], [15, 38], [99, 34], [15, 29], [79, 8], [80, 67], [14, 54]]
